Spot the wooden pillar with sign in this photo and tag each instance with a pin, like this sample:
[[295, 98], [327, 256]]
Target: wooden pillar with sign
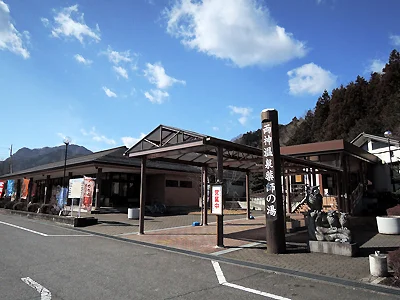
[[47, 190], [99, 180], [273, 186], [248, 195], [217, 201], [142, 194], [205, 195]]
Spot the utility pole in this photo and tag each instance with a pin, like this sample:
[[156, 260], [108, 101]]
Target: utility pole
[[11, 154]]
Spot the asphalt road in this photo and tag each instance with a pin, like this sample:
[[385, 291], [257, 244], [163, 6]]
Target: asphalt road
[[40, 260]]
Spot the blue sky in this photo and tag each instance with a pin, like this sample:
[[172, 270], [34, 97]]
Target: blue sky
[[107, 72]]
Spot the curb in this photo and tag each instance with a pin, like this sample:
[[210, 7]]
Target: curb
[[69, 221]]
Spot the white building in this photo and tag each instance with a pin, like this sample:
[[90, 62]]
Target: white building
[[379, 146]]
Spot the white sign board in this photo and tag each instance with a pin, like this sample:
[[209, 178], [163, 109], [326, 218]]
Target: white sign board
[[75, 188], [216, 199]]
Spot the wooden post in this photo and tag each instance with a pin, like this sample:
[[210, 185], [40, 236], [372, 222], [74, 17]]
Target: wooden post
[[220, 218], [346, 198], [248, 195], [99, 180], [46, 190], [18, 190], [205, 196], [30, 185], [275, 221], [142, 194], [288, 202]]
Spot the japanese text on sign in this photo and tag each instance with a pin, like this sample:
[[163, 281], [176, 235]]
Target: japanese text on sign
[[269, 172], [216, 199]]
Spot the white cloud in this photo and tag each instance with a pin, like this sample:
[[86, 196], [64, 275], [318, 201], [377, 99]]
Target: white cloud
[[70, 23], [244, 113], [116, 57], [97, 137], [310, 79], [215, 128], [45, 22], [129, 141], [109, 93], [156, 96], [395, 39], [376, 65], [240, 31], [156, 75], [80, 59], [10, 38], [121, 71]]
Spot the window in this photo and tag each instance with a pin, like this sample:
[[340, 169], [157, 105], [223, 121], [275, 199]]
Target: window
[[185, 184], [379, 145], [171, 183]]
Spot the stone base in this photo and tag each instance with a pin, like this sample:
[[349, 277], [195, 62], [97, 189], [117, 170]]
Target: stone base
[[83, 222], [337, 248]]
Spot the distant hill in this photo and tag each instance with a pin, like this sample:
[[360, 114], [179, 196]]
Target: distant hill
[[371, 106], [26, 158], [286, 133]]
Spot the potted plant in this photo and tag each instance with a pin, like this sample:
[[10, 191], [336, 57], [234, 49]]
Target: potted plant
[[389, 224]]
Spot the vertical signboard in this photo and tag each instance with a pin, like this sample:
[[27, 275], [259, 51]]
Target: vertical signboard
[[274, 210], [88, 193], [269, 170], [11, 189], [25, 188], [216, 199], [75, 190], [2, 183]]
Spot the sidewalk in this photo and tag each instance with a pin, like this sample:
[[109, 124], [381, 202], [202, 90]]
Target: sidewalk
[[245, 240]]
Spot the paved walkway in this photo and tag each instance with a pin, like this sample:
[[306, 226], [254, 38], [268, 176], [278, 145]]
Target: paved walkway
[[245, 240]]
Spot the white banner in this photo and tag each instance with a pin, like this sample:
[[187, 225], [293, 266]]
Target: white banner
[[216, 199]]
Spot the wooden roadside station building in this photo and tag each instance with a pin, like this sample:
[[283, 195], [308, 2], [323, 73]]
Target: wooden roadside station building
[[166, 166], [174, 145]]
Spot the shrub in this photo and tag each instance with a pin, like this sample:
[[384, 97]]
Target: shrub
[[394, 262], [394, 211]]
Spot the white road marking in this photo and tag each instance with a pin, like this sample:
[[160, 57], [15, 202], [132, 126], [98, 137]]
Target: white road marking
[[22, 228], [43, 234], [222, 281], [218, 272], [44, 293], [69, 235], [235, 249]]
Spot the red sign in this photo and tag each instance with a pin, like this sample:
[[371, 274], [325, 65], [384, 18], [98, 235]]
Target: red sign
[[2, 183], [216, 199]]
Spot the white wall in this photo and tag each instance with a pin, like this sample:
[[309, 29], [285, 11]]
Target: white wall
[[383, 154]]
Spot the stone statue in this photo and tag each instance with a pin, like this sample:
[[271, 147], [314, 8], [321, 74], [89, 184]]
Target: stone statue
[[325, 226], [314, 198]]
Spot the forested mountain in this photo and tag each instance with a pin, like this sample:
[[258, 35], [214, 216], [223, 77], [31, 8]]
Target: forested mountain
[[26, 158], [371, 106]]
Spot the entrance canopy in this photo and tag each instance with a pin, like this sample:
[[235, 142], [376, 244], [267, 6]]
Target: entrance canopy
[[176, 145]]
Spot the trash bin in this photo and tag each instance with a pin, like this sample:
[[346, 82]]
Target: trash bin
[[133, 213]]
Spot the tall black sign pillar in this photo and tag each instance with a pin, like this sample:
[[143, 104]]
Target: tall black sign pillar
[[273, 186]]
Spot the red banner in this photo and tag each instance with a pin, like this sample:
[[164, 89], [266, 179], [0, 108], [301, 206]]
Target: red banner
[[2, 184], [88, 188], [24, 188]]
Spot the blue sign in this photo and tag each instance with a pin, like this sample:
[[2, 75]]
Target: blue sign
[[10, 188]]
